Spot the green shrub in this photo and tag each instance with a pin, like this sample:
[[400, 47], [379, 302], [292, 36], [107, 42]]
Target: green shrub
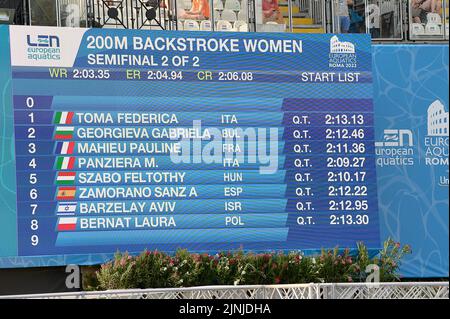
[[153, 270], [160, 270], [119, 273], [389, 259]]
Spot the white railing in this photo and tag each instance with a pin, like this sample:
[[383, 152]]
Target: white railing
[[317, 11], [314, 9], [404, 290], [304, 5]]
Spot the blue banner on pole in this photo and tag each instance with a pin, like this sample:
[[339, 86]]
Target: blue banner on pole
[[411, 128]]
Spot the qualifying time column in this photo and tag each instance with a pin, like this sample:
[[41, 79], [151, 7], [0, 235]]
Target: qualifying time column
[[331, 170]]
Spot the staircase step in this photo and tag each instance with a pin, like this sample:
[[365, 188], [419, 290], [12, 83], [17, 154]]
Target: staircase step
[[296, 15], [285, 9], [307, 26], [304, 30], [299, 21]]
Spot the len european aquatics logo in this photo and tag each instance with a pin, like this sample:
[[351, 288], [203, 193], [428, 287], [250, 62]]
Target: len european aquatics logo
[[43, 47], [396, 148]]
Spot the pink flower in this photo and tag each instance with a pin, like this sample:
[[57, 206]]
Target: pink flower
[[277, 280]]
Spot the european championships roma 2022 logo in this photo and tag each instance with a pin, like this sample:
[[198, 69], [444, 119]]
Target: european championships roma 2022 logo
[[342, 54], [397, 145], [436, 140]]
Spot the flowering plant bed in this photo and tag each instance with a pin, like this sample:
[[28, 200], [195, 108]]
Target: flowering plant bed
[[154, 269]]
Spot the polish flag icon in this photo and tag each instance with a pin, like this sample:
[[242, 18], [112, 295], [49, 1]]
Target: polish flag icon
[[67, 223]]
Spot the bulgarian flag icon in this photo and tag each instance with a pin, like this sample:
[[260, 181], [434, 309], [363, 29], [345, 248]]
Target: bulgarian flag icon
[[66, 193], [64, 132], [63, 117], [65, 178], [67, 223], [65, 162]]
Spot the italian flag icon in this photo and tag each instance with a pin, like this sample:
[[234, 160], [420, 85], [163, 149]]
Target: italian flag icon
[[67, 223], [63, 117], [65, 162], [64, 132]]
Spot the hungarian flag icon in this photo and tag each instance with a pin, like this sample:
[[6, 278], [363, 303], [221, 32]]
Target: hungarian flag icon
[[65, 162], [65, 148], [63, 117], [67, 223], [65, 178], [64, 132], [66, 193]]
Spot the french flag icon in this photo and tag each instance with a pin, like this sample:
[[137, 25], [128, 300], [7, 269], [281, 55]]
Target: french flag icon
[[65, 148]]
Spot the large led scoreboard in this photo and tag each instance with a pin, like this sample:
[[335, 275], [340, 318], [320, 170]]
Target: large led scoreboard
[[130, 140]]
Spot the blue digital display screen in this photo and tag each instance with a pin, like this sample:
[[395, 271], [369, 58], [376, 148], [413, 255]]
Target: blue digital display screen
[[132, 140]]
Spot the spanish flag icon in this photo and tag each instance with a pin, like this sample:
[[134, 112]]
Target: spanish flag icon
[[66, 193]]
